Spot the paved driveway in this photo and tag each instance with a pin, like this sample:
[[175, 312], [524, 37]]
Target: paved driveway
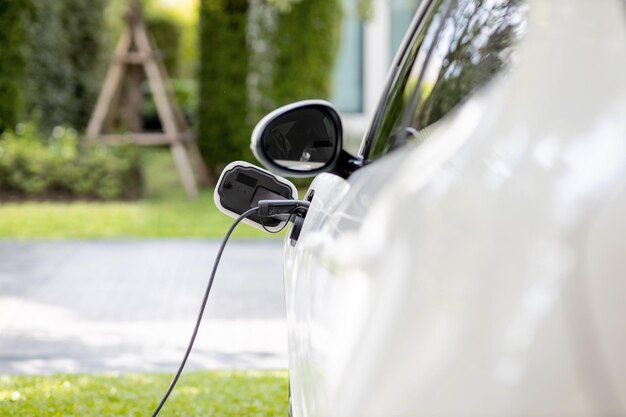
[[128, 305]]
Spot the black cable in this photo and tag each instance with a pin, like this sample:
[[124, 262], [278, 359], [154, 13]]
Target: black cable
[[201, 313]]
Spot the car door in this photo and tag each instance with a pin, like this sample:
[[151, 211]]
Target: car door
[[378, 303]]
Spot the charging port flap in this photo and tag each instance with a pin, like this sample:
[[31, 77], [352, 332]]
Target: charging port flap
[[242, 185]]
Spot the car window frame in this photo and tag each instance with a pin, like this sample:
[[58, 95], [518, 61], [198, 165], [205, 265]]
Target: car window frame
[[409, 39], [384, 134]]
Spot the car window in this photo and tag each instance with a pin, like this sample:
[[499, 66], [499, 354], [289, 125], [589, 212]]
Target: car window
[[457, 46]]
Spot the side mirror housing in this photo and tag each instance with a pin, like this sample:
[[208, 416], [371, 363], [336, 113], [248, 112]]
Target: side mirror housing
[[303, 139]]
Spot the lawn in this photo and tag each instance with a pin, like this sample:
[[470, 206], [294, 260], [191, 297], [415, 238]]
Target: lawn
[[221, 393], [165, 212]]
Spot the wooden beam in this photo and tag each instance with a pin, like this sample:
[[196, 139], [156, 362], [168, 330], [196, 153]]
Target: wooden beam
[[156, 82], [112, 83], [204, 178], [137, 58], [141, 139], [181, 160]]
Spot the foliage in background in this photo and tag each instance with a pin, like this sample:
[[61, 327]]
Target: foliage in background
[[11, 54], [166, 33], [366, 9], [284, 52], [185, 14], [221, 393], [63, 70], [165, 211], [36, 167], [186, 93], [306, 41], [223, 133], [294, 47], [67, 38]]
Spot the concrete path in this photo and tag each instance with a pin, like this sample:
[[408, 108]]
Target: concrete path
[[86, 306]]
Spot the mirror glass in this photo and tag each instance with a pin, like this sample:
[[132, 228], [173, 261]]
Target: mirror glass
[[302, 139]]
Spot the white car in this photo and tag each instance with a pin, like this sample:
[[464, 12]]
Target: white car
[[471, 259]]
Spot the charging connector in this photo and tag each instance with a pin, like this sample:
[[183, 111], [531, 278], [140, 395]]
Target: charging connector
[[282, 209], [293, 211]]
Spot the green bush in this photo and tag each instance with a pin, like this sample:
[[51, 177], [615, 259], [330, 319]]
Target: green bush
[[63, 61], [186, 93], [56, 167], [305, 44], [294, 50], [11, 60], [223, 129], [166, 33], [256, 57]]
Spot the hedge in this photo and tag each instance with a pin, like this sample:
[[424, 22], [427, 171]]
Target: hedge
[[305, 44], [166, 33], [53, 167], [64, 64], [12, 60], [223, 132], [289, 55]]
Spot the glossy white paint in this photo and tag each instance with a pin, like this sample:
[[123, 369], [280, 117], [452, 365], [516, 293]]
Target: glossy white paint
[[483, 272]]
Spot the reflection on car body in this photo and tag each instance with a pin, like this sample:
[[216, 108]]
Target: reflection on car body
[[471, 262]]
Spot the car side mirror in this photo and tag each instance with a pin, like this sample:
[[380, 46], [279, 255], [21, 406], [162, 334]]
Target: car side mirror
[[303, 139]]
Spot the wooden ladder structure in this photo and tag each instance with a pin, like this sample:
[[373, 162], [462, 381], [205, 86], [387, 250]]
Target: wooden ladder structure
[[135, 48]]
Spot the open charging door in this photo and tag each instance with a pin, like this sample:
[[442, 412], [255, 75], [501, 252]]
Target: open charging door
[[242, 185]]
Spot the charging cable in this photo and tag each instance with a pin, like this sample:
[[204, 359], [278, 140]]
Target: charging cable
[[277, 209], [207, 291]]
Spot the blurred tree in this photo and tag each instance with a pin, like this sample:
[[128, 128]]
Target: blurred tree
[[183, 13], [305, 41], [12, 60], [294, 44], [257, 55], [63, 60], [166, 33], [223, 134]]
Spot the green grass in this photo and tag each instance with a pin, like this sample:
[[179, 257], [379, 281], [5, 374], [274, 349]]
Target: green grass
[[220, 394], [174, 217], [165, 212]]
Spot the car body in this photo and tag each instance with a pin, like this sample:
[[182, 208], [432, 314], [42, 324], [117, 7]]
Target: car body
[[476, 266]]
